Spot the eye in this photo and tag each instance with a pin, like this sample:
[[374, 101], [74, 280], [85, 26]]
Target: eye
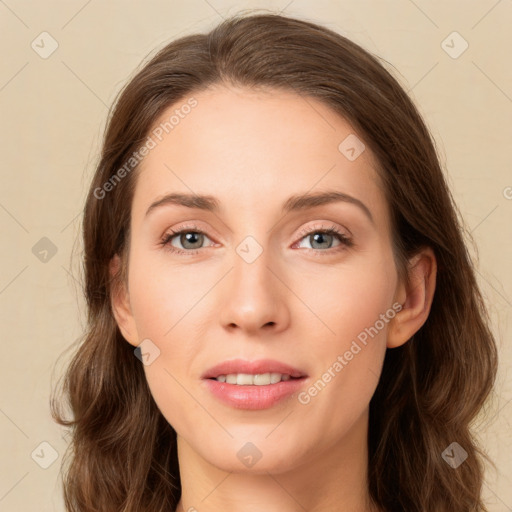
[[191, 239], [323, 239]]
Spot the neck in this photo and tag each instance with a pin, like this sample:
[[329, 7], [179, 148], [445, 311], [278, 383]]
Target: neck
[[331, 479]]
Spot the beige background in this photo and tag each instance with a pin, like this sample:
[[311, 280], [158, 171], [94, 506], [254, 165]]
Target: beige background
[[53, 113]]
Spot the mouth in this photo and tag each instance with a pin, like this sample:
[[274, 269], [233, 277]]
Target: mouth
[[253, 385], [261, 372], [258, 379]]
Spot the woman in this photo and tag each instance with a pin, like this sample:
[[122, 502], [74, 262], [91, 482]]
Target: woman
[[322, 344]]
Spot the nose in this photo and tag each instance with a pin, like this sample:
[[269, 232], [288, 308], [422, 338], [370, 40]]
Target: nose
[[254, 297]]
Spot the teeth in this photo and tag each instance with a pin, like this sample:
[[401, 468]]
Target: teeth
[[246, 379]]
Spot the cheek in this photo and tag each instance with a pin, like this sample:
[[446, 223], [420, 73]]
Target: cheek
[[161, 294], [165, 302], [346, 299], [355, 308]]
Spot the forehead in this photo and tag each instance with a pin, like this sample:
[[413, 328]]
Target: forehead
[[253, 148]]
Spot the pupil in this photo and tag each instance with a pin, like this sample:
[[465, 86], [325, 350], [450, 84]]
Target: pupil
[[321, 235]]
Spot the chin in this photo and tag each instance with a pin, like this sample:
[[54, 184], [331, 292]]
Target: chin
[[254, 454]]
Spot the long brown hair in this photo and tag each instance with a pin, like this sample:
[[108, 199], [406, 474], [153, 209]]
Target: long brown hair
[[122, 456]]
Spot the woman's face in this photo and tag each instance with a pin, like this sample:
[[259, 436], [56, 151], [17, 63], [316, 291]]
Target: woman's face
[[263, 282]]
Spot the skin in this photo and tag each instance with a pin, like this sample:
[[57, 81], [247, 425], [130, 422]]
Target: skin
[[300, 302]]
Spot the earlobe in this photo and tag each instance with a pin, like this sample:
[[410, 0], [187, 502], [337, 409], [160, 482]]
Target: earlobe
[[120, 303], [416, 298]]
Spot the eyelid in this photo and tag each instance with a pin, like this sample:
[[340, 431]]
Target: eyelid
[[319, 226]]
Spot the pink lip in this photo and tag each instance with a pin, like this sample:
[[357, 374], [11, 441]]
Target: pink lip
[[251, 367], [253, 397]]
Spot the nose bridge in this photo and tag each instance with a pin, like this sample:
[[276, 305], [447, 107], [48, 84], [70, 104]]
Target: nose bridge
[[251, 260], [257, 251], [253, 296]]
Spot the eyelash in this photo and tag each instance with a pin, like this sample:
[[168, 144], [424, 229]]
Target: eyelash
[[333, 230]]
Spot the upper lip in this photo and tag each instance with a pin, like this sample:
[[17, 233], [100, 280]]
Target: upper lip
[[252, 367]]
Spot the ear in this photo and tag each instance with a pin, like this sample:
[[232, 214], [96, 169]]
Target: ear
[[416, 298], [120, 303]]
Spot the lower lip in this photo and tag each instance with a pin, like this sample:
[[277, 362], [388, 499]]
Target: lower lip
[[254, 397]]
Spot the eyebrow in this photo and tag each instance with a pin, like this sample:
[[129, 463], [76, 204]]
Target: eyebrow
[[297, 202]]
